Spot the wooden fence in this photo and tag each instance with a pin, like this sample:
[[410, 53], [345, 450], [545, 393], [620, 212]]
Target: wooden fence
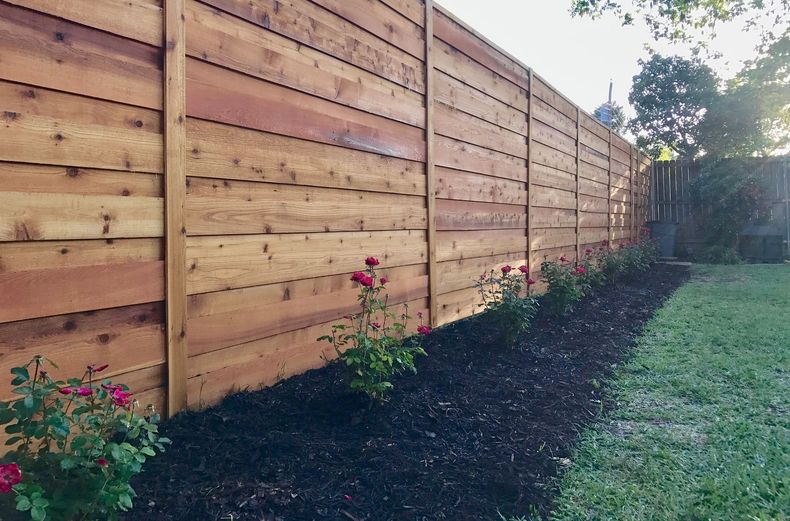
[[186, 185], [671, 200]]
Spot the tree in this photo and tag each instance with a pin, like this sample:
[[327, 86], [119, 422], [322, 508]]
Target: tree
[[617, 115], [671, 96], [682, 20]]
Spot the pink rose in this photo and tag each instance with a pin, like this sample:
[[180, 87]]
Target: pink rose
[[523, 269], [423, 330], [85, 391], [506, 269], [372, 261], [531, 281], [10, 475], [581, 270], [120, 398]]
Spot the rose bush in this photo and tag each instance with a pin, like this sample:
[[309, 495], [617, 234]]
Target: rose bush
[[374, 343], [506, 306], [566, 284], [76, 445]]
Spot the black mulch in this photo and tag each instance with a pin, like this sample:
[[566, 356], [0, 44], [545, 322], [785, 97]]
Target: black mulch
[[480, 429]]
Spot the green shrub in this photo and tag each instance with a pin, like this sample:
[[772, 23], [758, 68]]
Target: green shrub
[[506, 306], [374, 344], [718, 254], [565, 285], [77, 445]]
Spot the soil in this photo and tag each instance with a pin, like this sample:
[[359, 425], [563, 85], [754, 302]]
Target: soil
[[480, 430]]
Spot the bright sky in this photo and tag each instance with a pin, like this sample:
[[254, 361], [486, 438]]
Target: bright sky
[[579, 56]]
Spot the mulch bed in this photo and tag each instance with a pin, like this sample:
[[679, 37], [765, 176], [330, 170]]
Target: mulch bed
[[479, 429]]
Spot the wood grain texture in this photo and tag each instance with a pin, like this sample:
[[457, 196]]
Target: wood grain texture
[[50, 52], [227, 97], [175, 202], [32, 178], [311, 25], [231, 42]]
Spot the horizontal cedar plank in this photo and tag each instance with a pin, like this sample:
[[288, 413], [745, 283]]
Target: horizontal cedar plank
[[553, 117], [593, 141], [264, 319], [588, 155], [593, 173], [467, 186], [553, 98], [456, 305], [464, 273], [47, 216], [543, 239], [414, 10], [620, 156], [594, 126], [379, 19], [466, 215], [593, 220], [49, 52], [136, 19], [231, 42], [230, 301], [28, 294], [311, 25], [48, 127], [553, 158], [552, 137], [223, 151], [464, 156], [456, 64], [22, 177], [455, 245], [455, 124], [126, 338], [551, 177], [593, 204], [224, 96], [543, 196], [460, 38], [217, 207], [265, 362], [622, 147], [34, 255], [552, 218], [218, 263], [593, 236], [460, 96], [587, 187]]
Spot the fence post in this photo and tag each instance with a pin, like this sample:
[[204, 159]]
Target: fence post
[[609, 214], [175, 195], [578, 164], [429, 166], [530, 108], [631, 182]]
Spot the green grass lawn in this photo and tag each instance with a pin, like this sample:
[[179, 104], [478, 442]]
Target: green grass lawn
[[702, 426]]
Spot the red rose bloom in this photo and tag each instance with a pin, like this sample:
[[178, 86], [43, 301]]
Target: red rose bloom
[[588, 250], [85, 391], [358, 276], [423, 330], [376, 325], [372, 261], [10, 475], [367, 281], [563, 258], [120, 398], [384, 280], [102, 462], [523, 269], [506, 269], [530, 281], [98, 369], [65, 390]]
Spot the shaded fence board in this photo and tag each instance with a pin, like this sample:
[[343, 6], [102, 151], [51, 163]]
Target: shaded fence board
[[186, 197]]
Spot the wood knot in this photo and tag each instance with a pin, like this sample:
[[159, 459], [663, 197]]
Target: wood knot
[[103, 338]]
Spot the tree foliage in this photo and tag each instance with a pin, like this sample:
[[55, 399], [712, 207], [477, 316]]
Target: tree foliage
[[671, 96], [683, 20], [683, 106]]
